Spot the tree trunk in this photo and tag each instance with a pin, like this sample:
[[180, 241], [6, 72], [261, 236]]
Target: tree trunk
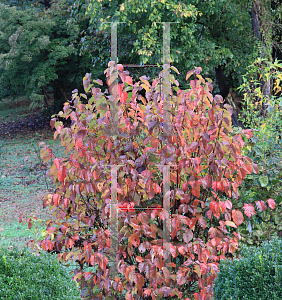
[[48, 100], [261, 25]]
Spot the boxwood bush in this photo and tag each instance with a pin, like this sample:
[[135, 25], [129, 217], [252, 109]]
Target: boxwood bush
[[257, 275], [23, 275]]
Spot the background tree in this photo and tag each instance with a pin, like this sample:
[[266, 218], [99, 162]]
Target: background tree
[[39, 51], [216, 35]]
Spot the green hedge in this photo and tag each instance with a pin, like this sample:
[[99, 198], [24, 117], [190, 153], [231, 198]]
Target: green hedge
[[257, 275], [25, 276]]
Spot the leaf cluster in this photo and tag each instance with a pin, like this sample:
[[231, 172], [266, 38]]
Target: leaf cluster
[[121, 132]]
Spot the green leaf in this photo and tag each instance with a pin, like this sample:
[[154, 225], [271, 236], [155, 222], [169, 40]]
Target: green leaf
[[263, 181]]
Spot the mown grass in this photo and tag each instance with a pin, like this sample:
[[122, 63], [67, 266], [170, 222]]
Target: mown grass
[[23, 182]]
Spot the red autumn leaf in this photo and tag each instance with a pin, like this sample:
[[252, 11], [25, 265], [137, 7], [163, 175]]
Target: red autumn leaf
[[61, 173], [271, 203], [70, 243], [120, 67], [173, 251], [81, 134], [185, 186], [29, 223], [182, 250], [212, 232], [209, 213], [128, 80], [228, 204], [189, 74], [202, 222], [196, 191], [193, 147], [147, 292], [135, 240], [123, 97], [66, 202], [78, 144], [261, 205], [222, 206], [249, 210], [120, 89], [87, 275], [45, 246], [56, 198], [143, 218], [157, 188], [59, 128], [139, 259], [51, 229], [57, 163], [50, 245], [248, 133], [109, 145], [214, 207], [237, 217]]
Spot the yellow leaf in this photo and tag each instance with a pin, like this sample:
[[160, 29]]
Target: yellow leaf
[[145, 87], [197, 270]]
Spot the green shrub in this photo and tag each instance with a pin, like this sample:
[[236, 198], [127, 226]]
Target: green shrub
[[263, 114], [256, 275], [23, 275]]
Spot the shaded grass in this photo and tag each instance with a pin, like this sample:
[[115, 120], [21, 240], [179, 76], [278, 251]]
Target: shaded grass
[[14, 108], [23, 182]]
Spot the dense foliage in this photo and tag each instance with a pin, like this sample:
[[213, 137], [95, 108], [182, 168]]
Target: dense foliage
[[39, 52], [24, 275], [256, 275], [214, 34], [207, 168], [263, 112]]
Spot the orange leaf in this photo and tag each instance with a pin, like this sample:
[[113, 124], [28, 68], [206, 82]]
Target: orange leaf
[[139, 259], [237, 217], [135, 240]]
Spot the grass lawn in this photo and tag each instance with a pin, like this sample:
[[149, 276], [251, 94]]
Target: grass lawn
[[22, 182]]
